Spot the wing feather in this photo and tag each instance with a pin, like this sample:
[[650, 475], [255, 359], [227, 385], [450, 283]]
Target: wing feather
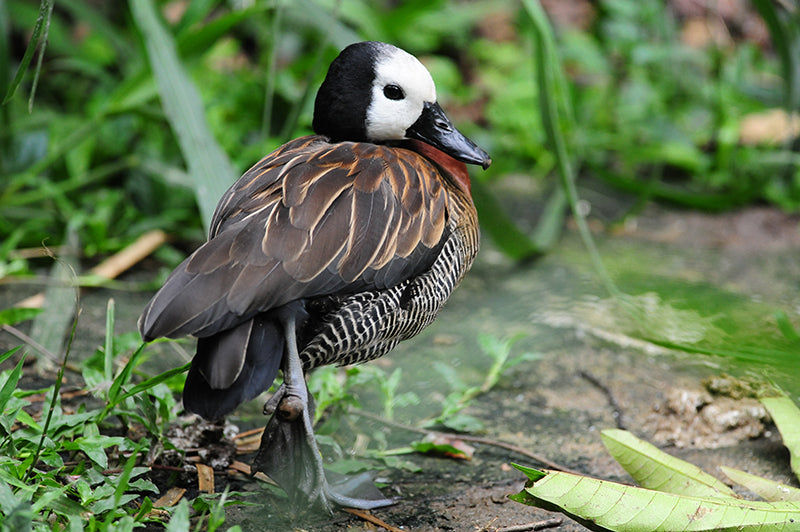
[[321, 192], [310, 219], [326, 242]]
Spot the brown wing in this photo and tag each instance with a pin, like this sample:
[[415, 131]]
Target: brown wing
[[310, 219]]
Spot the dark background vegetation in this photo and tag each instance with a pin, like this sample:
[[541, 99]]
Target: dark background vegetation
[[661, 96]]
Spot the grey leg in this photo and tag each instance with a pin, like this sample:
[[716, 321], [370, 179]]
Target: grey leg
[[289, 453]]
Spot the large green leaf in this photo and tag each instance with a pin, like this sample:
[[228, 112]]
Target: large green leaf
[[604, 505], [786, 416], [657, 470]]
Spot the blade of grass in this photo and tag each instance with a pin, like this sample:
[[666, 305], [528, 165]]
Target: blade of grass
[[11, 382], [290, 125], [108, 356], [124, 376], [125, 476], [194, 40], [551, 221], [785, 37], [6, 60], [154, 381], [116, 395], [208, 164], [55, 152], [88, 13], [8, 354], [785, 326], [38, 37], [50, 326], [56, 391], [548, 75], [269, 90]]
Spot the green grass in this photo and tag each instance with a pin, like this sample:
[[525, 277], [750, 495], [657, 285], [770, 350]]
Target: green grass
[[126, 121], [91, 466], [77, 468]]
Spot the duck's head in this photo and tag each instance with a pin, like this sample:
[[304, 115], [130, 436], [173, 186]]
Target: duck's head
[[376, 92]]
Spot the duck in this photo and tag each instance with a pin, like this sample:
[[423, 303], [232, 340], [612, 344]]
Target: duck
[[332, 249]]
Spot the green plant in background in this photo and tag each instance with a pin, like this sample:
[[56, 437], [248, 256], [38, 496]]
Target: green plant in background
[[95, 149], [712, 322], [499, 351]]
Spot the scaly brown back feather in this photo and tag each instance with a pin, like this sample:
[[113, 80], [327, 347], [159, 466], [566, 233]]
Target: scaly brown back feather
[[310, 219]]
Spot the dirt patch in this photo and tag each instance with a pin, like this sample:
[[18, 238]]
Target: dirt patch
[[556, 406]]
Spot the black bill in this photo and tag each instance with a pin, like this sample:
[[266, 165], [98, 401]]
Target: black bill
[[434, 128]]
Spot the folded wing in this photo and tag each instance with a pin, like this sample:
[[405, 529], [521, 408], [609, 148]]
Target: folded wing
[[308, 220]]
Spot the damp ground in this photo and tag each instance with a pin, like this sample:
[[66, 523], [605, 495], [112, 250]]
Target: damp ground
[[591, 372]]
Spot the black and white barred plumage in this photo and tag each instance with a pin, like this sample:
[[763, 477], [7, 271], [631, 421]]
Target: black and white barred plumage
[[368, 325]]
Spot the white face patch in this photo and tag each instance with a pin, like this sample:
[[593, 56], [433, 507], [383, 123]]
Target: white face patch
[[387, 118]]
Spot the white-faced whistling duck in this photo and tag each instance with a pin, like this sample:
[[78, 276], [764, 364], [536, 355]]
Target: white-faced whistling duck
[[330, 250]]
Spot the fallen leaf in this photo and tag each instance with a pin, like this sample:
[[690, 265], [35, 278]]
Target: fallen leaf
[[170, 498], [205, 478], [444, 446], [769, 127]]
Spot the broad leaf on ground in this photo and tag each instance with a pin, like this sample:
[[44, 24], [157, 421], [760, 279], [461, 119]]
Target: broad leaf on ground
[[654, 469], [613, 506], [786, 417]]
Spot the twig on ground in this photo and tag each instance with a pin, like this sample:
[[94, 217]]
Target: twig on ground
[[366, 516], [538, 525], [114, 265], [205, 477], [170, 498], [248, 433], [13, 331], [123, 260], [616, 409]]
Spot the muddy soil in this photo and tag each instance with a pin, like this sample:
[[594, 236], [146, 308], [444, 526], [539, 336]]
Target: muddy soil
[[585, 380]]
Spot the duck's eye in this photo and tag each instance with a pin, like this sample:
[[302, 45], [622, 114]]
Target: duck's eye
[[393, 92]]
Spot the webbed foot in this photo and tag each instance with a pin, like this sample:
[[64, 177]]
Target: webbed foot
[[290, 456]]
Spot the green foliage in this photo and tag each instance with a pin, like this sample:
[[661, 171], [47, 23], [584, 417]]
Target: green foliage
[[677, 495], [69, 472], [208, 165], [38, 486], [100, 151], [659, 135], [213, 506], [461, 396], [106, 150]]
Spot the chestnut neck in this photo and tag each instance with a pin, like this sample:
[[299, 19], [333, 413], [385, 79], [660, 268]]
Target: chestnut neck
[[454, 168]]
